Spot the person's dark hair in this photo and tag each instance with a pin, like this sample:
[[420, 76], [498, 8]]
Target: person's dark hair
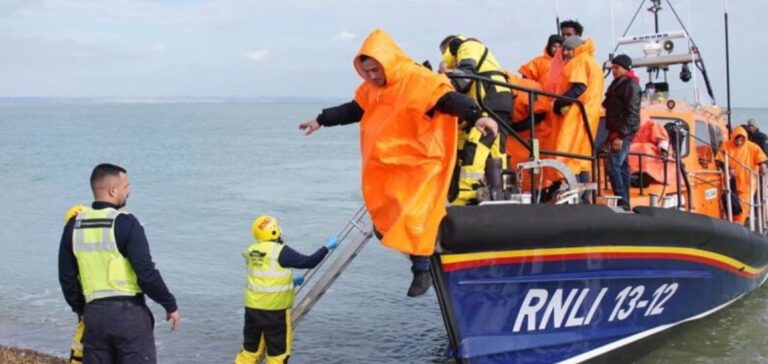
[[573, 24], [104, 170], [446, 40], [363, 58]]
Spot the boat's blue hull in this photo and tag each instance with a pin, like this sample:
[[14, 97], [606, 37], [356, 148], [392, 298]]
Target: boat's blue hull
[[578, 301]]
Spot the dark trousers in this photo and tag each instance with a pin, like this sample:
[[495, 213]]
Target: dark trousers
[[618, 171], [420, 263], [272, 326], [118, 331]]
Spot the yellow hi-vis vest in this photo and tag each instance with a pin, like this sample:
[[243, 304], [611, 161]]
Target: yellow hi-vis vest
[[270, 285], [104, 272]]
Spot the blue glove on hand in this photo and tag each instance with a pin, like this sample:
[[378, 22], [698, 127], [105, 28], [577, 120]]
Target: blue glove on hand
[[332, 242], [298, 281]]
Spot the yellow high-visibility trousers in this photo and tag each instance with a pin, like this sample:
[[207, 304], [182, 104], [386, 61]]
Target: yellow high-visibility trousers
[[76, 349], [475, 149]]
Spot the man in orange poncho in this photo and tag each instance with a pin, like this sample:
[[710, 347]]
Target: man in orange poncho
[[537, 69], [408, 131], [744, 158], [582, 79]]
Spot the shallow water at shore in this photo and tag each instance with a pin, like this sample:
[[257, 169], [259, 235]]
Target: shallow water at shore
[[200, 172]]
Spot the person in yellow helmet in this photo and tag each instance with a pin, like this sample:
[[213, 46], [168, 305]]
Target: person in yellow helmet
[[270, 292], [469, 56], [76, 349]]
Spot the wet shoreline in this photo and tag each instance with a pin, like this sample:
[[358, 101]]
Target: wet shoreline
[[11, 355]]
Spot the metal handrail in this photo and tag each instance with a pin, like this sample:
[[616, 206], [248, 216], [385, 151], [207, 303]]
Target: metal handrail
[[532, 95]]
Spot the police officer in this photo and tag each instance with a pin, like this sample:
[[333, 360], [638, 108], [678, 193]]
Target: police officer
[[270, 292], [105, 269]]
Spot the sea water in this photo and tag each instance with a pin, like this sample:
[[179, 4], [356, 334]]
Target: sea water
[[201, 171]]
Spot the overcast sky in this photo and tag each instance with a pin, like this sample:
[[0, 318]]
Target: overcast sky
[[252, 48]]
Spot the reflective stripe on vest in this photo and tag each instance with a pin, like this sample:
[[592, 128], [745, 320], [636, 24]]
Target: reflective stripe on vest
[[270, 285], [104, 272]]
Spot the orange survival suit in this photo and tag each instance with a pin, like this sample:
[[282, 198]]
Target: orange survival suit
[[516, 151], [750, 156]]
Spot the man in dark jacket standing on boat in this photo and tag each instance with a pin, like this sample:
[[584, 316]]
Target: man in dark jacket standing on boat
[[756, 136], [622, 119], [105, 269]]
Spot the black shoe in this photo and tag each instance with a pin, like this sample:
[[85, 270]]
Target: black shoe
[[420, 284]]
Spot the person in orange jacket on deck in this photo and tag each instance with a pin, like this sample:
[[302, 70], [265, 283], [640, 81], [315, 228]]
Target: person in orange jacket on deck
[[408, 135], [744, 158], [537, 69], [516, 151], [582, 79]]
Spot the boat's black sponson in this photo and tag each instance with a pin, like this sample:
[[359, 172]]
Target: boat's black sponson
[[504, 227]]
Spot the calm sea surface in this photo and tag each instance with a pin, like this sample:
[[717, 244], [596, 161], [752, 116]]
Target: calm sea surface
[[200, 172]]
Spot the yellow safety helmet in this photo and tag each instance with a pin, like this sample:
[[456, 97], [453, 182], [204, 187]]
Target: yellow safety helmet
[[266, 228], [72, 212]]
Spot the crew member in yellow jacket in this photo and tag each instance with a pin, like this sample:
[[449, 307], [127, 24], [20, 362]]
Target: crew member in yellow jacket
[[76, 349], [270, 293], [582, 79], [469, 56], [744, 159], [407, 117]]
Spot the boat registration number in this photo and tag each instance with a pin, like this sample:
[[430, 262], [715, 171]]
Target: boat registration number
[[544, 309]]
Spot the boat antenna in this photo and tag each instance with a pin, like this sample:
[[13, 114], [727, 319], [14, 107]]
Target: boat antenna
[[655, 8], [629, 25], [613, 23], [727, 67], [695, 49], [557, 19]]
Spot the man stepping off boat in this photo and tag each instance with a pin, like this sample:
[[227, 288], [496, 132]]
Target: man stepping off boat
[[408, 127]]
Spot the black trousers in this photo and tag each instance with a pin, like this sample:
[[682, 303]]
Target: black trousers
[[272, 324], [118, 331]]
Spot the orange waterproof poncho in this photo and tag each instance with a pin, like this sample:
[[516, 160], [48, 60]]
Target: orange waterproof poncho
[[408, 157], [569, 132], [647, 141], [537, 69], [748, 155]]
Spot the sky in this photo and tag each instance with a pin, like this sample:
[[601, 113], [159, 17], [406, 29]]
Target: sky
[[292, 48]]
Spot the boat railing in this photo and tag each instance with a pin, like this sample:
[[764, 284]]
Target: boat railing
[[641, 167], [530, 144], [758, 211]]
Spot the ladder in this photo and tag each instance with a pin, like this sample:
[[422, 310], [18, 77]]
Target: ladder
[[352, 238]]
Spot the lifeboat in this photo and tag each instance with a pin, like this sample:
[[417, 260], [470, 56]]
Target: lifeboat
[[526, 280]]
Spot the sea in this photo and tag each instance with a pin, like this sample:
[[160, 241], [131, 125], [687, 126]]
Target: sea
[[201, 170]]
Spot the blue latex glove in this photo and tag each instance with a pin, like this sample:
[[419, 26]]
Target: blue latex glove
[[332, 242], [298, 281]]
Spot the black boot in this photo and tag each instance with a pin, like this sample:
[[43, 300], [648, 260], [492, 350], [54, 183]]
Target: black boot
[[420, 283]]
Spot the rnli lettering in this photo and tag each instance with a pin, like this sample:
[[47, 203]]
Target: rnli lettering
[[543, 309], [651, 36]]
